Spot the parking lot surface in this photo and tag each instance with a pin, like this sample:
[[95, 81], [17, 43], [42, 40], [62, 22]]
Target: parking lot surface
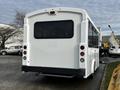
[[11, 78]]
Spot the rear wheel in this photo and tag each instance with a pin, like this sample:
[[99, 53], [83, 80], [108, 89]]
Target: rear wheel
[[111, 55], [4, 53], [91, 76]]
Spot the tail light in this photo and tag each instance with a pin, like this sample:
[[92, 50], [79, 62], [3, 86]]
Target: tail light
[[25, 52], [25, 47], [24, 57], [82, 60], [82, 53], [82, 47]]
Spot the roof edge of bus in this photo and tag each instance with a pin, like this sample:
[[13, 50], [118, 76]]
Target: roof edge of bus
[[79, 10]]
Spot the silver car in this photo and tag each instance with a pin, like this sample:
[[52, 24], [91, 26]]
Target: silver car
[[12, 50]]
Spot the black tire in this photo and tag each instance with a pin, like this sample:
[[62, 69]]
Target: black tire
[[4, 53], [111, 55], [20, 53], [91, 76]]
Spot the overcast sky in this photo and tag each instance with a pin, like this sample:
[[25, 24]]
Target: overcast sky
[[102, 12]]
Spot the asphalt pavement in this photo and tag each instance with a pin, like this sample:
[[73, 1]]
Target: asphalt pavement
[[106, 60], [11, 78]]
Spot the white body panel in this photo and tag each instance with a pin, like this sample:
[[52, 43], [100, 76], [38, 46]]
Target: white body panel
[[60, 53], [52, 52]]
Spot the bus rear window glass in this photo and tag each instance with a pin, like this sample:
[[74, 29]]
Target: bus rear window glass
[[54, 29]]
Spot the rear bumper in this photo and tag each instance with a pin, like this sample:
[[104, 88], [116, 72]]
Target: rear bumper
[[54, 71]]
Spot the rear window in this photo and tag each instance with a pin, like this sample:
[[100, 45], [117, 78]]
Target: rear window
[[53, 29]]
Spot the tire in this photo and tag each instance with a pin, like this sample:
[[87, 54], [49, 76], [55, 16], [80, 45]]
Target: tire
[[91, 76], [20, 53], [111, 55], [4, 53]]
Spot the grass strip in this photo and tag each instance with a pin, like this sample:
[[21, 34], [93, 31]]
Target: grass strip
[[107, 74]]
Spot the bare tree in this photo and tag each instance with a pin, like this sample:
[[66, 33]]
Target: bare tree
[[5, 34], [19, 19]]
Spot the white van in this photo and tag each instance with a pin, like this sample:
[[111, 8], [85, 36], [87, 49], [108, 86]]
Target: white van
[[60, 41], [114, 45], [113, 50]]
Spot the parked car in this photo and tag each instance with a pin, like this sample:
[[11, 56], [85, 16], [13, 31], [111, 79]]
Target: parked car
[[12, 50], [114, 50]]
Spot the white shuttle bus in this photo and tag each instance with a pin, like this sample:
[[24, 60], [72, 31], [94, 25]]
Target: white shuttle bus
[[60, 41]]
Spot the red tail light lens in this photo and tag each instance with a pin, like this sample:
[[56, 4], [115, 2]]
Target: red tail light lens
[[82, 53], [82, 47], [24, 52]]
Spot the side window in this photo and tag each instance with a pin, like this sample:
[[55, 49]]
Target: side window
[[93, 36], [90, 37], [11, 47], [16, 47]]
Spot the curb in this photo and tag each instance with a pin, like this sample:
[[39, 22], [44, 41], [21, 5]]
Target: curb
[[102, 81]]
